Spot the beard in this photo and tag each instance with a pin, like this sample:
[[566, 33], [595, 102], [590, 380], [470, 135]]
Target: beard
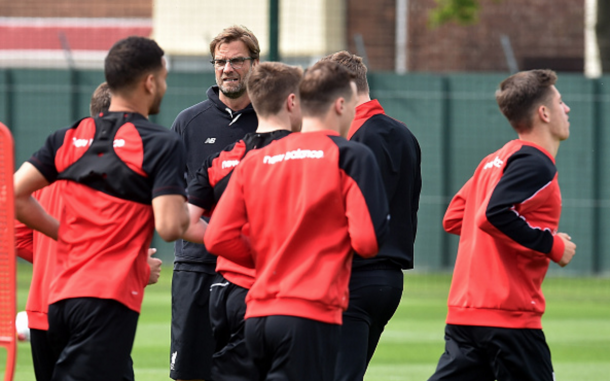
[[236, 89], [156, 106], [233, 93]]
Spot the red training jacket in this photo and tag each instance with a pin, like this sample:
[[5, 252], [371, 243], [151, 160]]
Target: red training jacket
[[507, 216], [111, 168], [309, 199], [210, 182]]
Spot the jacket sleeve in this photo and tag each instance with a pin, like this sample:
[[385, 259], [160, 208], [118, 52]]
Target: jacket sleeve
[[200, 189], [523, 179], [365, 200], [452, 222], [167, 167], [212, 177], [24, 241], [44, 158], [398, 155], [224, 233]]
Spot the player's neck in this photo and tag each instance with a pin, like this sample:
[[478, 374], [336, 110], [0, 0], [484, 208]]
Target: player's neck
[[273, 123], [235, 104], [315, 124], [546, 141], [363, 98], [120, 104]]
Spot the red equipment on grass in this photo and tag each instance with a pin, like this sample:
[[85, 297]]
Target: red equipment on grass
[[8, 335]]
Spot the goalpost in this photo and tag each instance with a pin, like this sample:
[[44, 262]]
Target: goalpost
[[8, 336]]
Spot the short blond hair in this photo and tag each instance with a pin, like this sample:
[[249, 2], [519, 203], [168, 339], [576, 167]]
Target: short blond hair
[[270, 84], [520, 95], [100, 100], [322, 84], [353, 63]]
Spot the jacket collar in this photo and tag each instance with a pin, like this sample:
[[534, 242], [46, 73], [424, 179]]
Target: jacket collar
[[363, 113]]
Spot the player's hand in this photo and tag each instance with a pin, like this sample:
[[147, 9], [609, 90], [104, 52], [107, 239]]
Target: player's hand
[[155, 266], [568, 251]]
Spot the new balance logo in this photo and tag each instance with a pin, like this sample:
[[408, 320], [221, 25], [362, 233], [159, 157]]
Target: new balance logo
[[293, 155], [79, 143], [494, 163], [229, 163], [210, 141]]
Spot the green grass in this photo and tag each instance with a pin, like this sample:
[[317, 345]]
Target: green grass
[[576, 324]]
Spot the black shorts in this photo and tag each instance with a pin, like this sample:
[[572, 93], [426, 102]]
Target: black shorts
[[374, 296], [488, 353], [92, 338], [192, 343], [43, 356], [227, 309], [293, 348]]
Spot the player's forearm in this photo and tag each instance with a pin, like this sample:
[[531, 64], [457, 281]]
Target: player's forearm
[[26, 254], [454, 215], [171, 216], [196, 231], [24, 241], [29, 212], [234, 247], [452, 224], [173, 228]]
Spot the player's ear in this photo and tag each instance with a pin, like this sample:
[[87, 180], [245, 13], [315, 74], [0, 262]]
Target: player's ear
[[544, 113], [291, 102], [149, 83], [339, 105]]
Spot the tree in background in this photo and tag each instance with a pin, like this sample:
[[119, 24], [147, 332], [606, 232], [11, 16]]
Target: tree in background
[[463, 12], [466, 12]]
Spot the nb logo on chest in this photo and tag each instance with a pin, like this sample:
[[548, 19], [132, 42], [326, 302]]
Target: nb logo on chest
[[210, 141]]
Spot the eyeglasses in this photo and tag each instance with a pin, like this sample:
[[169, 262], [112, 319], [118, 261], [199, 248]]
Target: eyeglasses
[[236, 63]]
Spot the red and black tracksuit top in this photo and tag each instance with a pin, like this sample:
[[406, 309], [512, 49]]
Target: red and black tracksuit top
[[112, 167], [399, 157], [206, 129], [210, 183], [507, 216], [310, 200]]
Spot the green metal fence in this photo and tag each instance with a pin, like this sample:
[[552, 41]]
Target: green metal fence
[[454, 116]]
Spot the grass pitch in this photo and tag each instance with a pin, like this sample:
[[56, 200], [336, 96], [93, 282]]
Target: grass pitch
[[576, 324]]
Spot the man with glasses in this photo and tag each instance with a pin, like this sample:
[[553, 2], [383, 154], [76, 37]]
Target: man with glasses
[[206, 128]]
